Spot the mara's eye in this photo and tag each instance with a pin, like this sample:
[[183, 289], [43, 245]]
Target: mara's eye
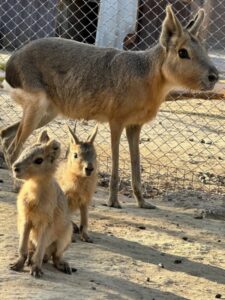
[[183, 54], [38, 161], [75, 155]]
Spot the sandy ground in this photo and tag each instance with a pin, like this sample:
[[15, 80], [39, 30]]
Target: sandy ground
[[137, 254]]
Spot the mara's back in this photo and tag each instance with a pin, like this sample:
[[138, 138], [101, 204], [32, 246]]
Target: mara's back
[[77, 75]]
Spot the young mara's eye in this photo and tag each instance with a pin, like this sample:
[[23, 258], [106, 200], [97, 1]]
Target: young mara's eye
[[38, 161], [75, 155], [183, 54]]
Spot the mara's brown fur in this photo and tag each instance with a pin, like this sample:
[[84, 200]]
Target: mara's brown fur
[[77, 177], [44, 222], [55, 76]]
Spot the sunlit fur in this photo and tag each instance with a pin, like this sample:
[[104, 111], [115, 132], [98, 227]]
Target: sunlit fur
[[76, 184], [44, 222]]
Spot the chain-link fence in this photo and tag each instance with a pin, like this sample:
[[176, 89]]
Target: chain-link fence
[[184, 147]]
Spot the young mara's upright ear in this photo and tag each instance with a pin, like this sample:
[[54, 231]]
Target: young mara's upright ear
[[91, 137], [74, 138], [170, 26], [43, 137], [53, 148], [194, 25]]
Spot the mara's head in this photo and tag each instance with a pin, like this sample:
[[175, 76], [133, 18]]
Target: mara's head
[[81, 155], [38, 160], [186, 62]]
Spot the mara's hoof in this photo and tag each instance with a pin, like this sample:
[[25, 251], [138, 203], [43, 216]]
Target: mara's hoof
[[85, 238], [36, 272], [146, 205], [64, 267], [114, 204], [18, 265], [74, 270]]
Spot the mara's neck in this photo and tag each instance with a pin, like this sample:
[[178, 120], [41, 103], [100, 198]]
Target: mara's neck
[[38, 190], [160, 86], [42, 181]]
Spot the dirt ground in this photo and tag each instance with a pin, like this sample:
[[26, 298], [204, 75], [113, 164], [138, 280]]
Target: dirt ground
[[137, 254]]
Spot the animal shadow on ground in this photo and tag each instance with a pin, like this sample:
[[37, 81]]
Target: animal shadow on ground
[[150, 255]]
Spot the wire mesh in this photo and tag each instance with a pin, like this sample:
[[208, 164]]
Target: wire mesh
[[184, 146]]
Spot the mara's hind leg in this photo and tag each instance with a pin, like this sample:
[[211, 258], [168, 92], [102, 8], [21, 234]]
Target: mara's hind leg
[[31, 250], [31, 118], [133, 135], [61, 244], [84, 224], [49, 252], [116, 130], [7, 134], [36, 113]]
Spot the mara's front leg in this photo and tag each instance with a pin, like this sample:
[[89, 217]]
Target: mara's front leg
[[61, 245], [84, 224], [37, 258], [133, 136], [23, 247], [116, 130]]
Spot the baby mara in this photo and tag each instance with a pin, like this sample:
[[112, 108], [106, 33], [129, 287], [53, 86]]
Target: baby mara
[[77, 176], [44, 222]]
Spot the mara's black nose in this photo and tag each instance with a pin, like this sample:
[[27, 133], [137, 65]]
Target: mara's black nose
[[89, 169], [213, 75]]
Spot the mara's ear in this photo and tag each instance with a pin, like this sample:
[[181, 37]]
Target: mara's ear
[[53, 150], [170, 26], [43, 138], [73, 137], [194, 25], [91, 137]]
